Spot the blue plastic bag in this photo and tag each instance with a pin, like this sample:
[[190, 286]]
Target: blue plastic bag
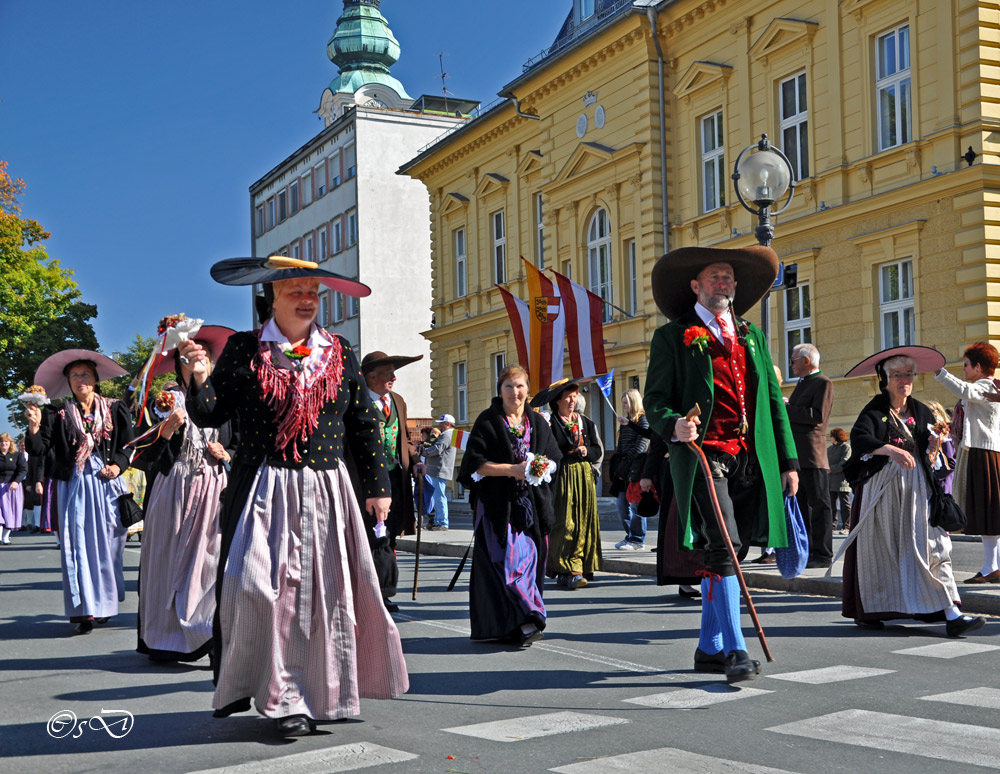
[[791, 561]]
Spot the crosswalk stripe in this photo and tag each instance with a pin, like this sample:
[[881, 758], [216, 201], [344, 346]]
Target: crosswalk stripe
[[345, 757], [833, 674], [693, 698], [988, 698], [948, 650], [665, 759], [938, 739], [534, 726]]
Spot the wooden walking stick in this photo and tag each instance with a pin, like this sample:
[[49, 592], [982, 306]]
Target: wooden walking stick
[[420, 518], [713, 495]]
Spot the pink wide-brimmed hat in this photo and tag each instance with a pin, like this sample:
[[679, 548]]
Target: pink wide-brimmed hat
[[50, 373], [928, 360], [211, 337]]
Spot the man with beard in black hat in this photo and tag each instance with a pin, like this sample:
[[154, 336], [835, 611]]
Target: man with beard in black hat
[[710, 356]]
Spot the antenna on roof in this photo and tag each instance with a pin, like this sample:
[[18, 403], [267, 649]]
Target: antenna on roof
[[444, 75]]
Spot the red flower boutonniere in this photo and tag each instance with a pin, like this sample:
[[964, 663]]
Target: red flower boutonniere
[[299, 352], [911, 421], [696, 336]]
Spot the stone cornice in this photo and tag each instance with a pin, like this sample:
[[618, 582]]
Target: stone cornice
[[692, 17]]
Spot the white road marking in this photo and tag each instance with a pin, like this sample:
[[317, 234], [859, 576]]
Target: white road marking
[[988, 698], [534, 726], [952, 742], [833, 674], [693, 698], [948, 649], [614, 663], [665, 759], [345, 757]]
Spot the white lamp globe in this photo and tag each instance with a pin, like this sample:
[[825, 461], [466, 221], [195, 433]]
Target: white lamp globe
[[764, 178]]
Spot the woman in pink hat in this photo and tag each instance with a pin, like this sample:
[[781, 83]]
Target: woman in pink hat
[[87, 435], [180, 540]]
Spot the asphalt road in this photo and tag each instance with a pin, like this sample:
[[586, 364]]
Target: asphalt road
[[610, 688]]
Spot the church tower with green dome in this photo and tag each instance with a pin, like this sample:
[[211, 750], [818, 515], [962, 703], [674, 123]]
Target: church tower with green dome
[[364, 49]]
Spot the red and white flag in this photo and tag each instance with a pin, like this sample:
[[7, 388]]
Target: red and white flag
[[584, 319], [546, 329], [518, 313], [459, 439]]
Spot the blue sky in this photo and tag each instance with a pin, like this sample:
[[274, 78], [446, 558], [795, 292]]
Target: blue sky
[[139, 126]]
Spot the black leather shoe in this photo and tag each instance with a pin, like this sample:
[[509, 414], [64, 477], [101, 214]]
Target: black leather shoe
[[693, 593], [818, 564], [740, 667], [869, 624], [85, 627], [294, 725], [529, 637], [963, 625], [391, 606], [714, 663]]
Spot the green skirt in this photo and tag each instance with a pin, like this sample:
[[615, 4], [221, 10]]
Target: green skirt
[[575, 542]]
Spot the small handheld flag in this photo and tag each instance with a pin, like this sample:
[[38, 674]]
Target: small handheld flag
[[460, 439]]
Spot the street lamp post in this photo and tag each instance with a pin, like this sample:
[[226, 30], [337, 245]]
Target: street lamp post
[[763, 178]]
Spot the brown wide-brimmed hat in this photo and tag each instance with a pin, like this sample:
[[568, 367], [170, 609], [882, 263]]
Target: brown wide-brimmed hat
[[373, 360], [549, 395], [51, 376], [755, 269], [928, 360]]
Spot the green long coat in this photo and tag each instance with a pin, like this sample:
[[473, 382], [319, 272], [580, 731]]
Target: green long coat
[[680, 376]]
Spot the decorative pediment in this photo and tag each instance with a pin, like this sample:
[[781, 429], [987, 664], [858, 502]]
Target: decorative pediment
[[856, 7], [701, 75], [491, 183], [453, 202], [781, 33], [532, 162]]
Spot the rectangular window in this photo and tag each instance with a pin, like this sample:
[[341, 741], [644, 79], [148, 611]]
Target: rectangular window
[[338, 239], [461, 287], [296, 250], [307, 188], [352, 228], [600, 276], [498, 362], [270, 213], [633, 279], [892, 87], [350, 162], [353, 306], [335, 181], [324, 309], [282, 205], [539, 233], [586, 9], [798, 321], [323, 247], [713, 162], [795, 124], [319, 175], [310, 248], [293, 193], [499, 247], [896, 303], [338, 306], [258, 219], [461, 394]]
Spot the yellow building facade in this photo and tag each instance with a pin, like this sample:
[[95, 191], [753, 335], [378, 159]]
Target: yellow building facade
[[894, 225]]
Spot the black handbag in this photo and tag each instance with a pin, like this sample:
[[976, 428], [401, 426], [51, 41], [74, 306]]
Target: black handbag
[[945, 513], [129, 512]]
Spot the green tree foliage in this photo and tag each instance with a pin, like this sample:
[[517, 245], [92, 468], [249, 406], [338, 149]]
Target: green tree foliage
[[132, 360], [41, 311]]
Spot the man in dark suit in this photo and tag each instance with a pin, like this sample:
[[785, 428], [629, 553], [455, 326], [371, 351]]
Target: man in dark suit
[[809, 408], [709, 355], [379, 370]]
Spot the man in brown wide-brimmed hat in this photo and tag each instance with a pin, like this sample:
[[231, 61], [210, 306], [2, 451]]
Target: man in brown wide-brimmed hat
[[379, 371], [709, 355]]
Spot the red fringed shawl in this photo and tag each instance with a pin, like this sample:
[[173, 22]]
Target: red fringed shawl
[[297, 401]]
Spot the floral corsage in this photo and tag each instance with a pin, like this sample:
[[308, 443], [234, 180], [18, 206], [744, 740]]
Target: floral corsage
[[164, 404], [296, 354], [696, 336], [939, 429], [538, 469], [34, 395]]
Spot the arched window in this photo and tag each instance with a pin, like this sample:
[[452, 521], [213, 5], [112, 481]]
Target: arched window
[[599, 255]]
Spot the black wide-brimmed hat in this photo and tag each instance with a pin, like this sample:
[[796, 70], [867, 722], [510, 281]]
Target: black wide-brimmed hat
[[373, 360], [755, 269], [250, 271], [51, 374], [928, 360], [549, 395]]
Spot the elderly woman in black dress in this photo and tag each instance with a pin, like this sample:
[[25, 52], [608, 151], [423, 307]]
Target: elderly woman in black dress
[[511, 517], [300, 625]]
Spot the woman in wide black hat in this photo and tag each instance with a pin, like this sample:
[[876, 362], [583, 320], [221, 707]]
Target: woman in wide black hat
[[897, 565], [300, 626]]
